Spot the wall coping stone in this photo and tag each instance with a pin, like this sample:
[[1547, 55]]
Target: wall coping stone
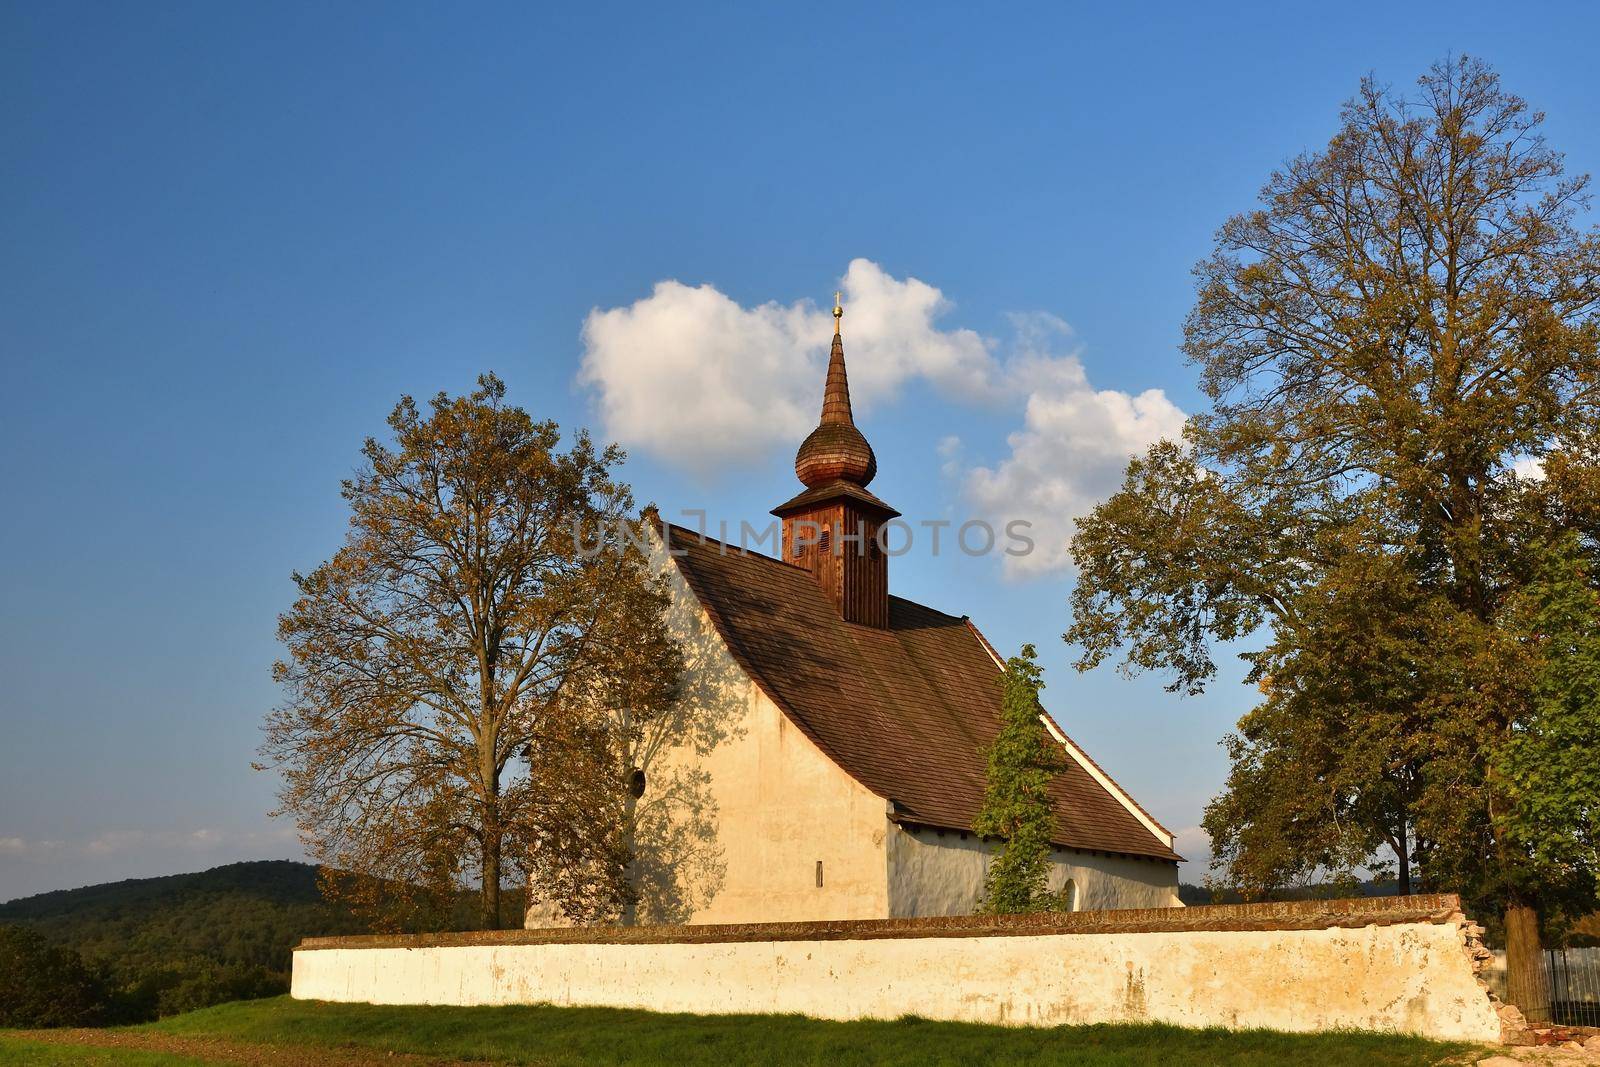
[[1349, 913]]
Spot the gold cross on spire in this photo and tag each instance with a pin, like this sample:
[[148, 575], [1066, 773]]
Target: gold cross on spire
[[838, 311]]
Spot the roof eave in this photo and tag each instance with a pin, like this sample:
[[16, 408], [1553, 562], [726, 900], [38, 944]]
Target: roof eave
[[812, 497]]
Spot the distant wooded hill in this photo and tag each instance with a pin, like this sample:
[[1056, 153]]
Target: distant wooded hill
[[174, 943], [243, 914]]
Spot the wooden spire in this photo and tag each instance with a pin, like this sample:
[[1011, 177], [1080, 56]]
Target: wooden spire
[[832, 528], [836, 450]]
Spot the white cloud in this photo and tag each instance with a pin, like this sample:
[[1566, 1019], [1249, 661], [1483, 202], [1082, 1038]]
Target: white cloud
[[1194, 845], [120, 842], [692, 377], [689, 375], [1529, 468], [24, 848], [1072, 448], [891, 324], [112, 841]]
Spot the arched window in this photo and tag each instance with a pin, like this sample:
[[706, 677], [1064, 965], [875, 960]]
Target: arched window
[[1069, 896]]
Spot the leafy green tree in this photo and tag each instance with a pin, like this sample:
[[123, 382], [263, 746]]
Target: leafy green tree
[[1550, 765], [470, 605], [185, 941], [42, 984], [1326, 770], [1016, 805], [1405, 320]]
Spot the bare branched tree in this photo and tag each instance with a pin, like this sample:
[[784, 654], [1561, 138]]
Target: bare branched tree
[[467, 611]]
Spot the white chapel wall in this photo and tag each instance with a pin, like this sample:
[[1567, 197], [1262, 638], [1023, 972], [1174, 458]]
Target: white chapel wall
[[783, 808], [935, 872], [777, 804]]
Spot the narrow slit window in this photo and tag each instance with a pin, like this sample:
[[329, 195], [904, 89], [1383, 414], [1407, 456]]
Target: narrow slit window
[[819, 874]]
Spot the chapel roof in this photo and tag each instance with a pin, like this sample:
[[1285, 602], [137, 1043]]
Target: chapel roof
[[906, 710]]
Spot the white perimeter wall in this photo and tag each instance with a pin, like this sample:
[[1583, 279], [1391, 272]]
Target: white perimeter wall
[[1413, 977]]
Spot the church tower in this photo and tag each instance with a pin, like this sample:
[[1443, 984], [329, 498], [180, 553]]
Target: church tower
[[832, 527]]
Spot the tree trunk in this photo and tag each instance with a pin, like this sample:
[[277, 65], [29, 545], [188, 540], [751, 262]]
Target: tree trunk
[[491, 879], [1403, 858], [1525, 974], [493, 842], [630, 873]]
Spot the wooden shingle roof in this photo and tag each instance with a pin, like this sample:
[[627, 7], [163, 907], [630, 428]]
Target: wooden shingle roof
[[906, 711]]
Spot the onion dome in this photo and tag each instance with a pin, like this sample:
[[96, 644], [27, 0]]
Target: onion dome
[[835, 450]]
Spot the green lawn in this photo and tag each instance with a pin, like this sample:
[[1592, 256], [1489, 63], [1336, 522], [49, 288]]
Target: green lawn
[[17, 1051], [598, 1037]]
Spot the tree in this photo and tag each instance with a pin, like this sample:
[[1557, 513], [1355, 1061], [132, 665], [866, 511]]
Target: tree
[[468, 608], [579, 831], [1548, 771], [1326, 770], [623, 827], [1407, 319], [1016, 804], [42, 984], [570, 830], [1551, 763]]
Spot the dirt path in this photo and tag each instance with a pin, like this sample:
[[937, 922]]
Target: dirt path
[[214, 1050]]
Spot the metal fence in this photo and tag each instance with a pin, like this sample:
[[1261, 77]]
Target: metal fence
[[1574, 977]]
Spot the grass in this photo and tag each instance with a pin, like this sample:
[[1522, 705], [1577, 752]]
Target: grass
[[603, 1037], [16, 1050]]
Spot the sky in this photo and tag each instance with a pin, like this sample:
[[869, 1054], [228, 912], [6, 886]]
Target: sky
[[232, 236]]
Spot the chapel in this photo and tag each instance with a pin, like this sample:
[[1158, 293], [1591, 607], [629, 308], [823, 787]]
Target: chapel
[[832, 752]]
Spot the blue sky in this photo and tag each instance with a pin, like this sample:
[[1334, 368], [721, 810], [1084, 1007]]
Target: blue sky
[[234, 235]]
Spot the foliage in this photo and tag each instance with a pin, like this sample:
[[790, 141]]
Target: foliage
[[600, 1037], [1329, 767], [42, 984], [1550, 766], [579, 827], [477, 598], [1406, 320], [1200, 895], [164, 945], [572, 828], [245, 914], [1016, 804]]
